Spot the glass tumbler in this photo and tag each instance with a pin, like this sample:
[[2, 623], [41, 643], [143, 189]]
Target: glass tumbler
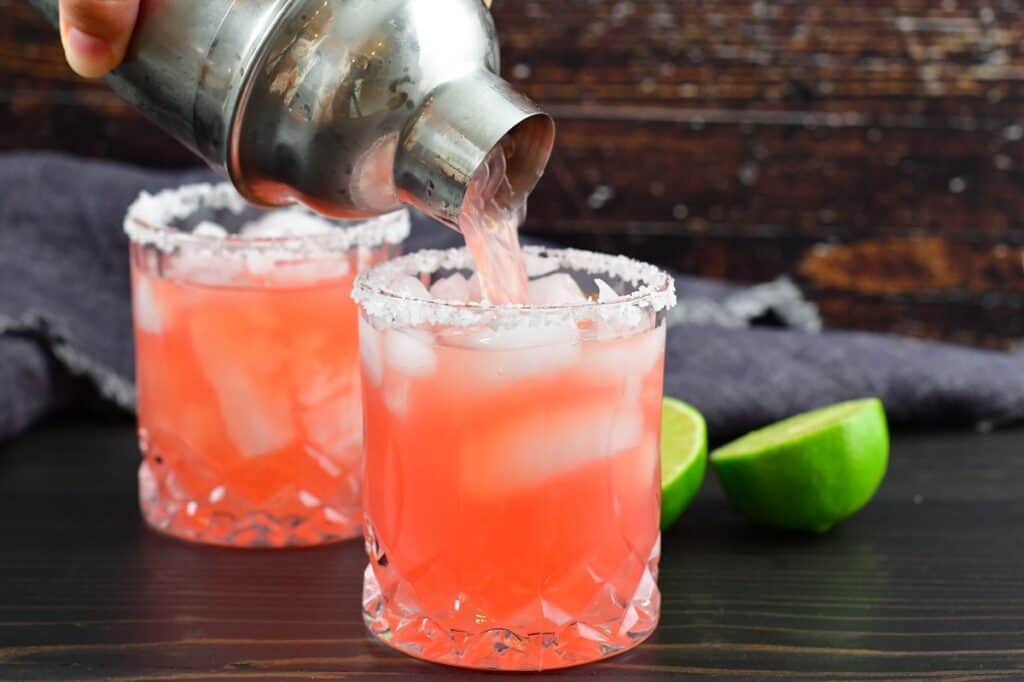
[[512, 480], [247, 366]]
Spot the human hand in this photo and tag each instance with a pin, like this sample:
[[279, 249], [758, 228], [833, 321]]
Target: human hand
[[95, 33]]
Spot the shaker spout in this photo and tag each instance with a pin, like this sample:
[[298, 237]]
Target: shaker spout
[[451, 134]]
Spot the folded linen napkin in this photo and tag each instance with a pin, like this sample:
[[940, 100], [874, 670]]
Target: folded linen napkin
[[744, 356]]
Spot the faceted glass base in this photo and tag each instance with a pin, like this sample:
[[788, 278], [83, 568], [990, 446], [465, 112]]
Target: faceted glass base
[[196, 518], [610, 628]]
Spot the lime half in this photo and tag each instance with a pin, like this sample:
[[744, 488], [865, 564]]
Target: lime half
[[684, 458], [810, 471]]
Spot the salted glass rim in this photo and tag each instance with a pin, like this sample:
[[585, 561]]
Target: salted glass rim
[[147, 222], [654, 291]]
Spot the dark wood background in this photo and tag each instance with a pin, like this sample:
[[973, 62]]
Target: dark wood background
[[874, 149]]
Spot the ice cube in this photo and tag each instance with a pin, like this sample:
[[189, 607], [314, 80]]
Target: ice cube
[[537, 446], [621, 323], [396, 394], [634, 388], [520, 338], [557, 289], [283, 223], [410, 287], [325, 385], [309, 271], [208, 229], [244, 377], [453, 288], [516, 354], [335, 426], [538, 265], [410, 352], [605, 292], [625, 429], [199, 264], [329, 412], [371, 353], [146, 307], [625, 358], [257, 425]]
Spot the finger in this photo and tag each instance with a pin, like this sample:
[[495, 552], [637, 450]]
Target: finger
[[95, 33]]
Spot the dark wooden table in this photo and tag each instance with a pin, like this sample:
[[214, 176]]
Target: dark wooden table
[[927, 582]]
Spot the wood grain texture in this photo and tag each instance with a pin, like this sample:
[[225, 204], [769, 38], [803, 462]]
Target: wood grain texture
[[725, 137], [924, 584]]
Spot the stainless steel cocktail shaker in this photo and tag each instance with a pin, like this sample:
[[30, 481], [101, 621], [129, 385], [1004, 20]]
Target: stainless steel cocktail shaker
[[352, 107]]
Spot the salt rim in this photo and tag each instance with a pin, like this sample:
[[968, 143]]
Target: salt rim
[[655, 292], [148, 218]]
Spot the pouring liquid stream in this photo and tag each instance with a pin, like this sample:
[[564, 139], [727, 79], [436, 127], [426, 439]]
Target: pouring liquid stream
[[491, 215]]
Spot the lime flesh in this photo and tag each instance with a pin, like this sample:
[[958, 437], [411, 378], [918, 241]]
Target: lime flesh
[[810, 471], [684, 458]]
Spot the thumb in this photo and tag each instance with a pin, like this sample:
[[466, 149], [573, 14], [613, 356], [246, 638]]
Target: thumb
[[95, 33]]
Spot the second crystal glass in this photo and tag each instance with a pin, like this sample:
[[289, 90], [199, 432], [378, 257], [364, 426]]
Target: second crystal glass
[[247, 362]]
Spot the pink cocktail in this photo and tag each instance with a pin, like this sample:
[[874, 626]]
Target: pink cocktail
[[512, 470], [250, 421]]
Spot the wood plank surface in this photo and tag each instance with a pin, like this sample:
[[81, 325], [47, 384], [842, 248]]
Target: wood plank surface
[[729, 138], [925, 583]]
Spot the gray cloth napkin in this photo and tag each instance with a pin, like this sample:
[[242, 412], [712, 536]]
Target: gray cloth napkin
[[744, 356]]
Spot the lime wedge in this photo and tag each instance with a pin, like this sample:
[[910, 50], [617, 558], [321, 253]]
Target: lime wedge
[[810, 471], [684, 458]]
